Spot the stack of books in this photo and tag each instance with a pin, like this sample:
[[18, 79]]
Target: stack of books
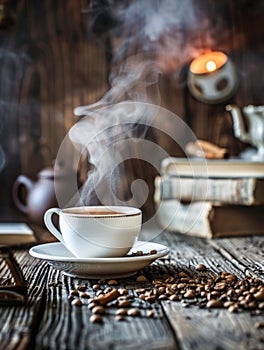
[[210, 198]]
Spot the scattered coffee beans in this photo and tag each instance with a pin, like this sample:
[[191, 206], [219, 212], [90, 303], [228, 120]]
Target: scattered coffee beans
[[140, 253], [225, 291]]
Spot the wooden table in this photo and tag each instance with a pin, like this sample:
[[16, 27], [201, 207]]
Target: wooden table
[[48, 320]]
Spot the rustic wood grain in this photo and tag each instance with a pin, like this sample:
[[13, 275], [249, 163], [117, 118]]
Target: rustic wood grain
[[19, 323], [48, 320], [216, 329], [50, 65]]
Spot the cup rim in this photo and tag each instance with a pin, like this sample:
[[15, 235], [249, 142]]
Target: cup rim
[[120, 211]]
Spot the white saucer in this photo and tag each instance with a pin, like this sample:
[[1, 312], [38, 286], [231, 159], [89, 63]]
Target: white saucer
[[61, 259]]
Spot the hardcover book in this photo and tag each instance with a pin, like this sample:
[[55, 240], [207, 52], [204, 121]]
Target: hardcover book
[[243, 191], [16, 234], [204, 219], [213, 168]]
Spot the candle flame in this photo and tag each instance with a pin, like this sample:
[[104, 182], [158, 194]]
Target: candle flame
[[211, 66], [208, 62]]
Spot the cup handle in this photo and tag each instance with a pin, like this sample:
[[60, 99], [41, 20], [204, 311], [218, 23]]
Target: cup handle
[[49, 223]]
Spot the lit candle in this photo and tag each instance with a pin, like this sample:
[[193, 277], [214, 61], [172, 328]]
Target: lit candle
[[208, 62], [212, 77]]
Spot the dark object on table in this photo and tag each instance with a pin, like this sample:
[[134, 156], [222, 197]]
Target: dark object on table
[[12, 294]]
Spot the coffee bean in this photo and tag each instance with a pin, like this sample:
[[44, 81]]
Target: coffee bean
[[82, 288], [92, 305], [171, 279], [200, 267], [124, 303], [190, 294], [141, 278], [261, 306], [163, 297], [214, 303], [112, 282], [259, 324], [74, 292], [248, 297], [227, 304], [253, 290], [96, 286], [230, 278], [77, 302], [121, 312], [174, 286], [161, 290], [182, 274], [120, 318], [84, 295], [233, 308], [259, 296], [99, 292], [151, 313], [220, 286], [139, 253], [98, 310], [123, 291], [174, 297], [140, 290], [134, 312], [168, 291], [252, 305], [96, 318], [151, 299]]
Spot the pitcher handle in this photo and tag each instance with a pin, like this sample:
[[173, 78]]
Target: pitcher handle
[[21, 181]]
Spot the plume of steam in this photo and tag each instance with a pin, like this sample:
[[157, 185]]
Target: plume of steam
[[114, 129]]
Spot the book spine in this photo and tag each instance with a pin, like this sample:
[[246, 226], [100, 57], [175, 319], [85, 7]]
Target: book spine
[[191, 219], [229, 191]]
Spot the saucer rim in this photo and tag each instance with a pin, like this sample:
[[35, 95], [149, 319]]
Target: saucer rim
[[162, 250]]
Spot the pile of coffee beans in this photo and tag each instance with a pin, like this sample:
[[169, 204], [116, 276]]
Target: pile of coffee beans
[[225, 291], [103, 300]]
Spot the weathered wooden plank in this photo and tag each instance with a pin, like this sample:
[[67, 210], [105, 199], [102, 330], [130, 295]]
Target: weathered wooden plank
[[214, 329], [247, 253], [62, 325], [188, 251], [68, 326], [18, 323]]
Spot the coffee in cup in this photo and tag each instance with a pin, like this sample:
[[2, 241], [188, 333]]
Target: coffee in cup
[[96, 231]]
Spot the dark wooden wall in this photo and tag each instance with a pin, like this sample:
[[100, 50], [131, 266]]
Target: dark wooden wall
[[51, 62]]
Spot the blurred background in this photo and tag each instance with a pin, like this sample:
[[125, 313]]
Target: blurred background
[[56, 55]]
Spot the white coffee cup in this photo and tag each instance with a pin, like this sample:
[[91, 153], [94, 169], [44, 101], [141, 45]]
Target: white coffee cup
[[96, 231]]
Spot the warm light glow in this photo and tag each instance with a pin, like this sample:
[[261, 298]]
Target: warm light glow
[[210, 66], [208, 62]]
